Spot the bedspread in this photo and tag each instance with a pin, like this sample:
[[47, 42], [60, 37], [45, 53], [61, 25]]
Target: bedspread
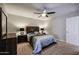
[[41, 41]]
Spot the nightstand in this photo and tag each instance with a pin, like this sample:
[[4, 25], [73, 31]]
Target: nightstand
[[22, 38]]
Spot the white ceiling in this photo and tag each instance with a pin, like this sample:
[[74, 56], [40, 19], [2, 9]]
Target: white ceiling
[[27, 9]]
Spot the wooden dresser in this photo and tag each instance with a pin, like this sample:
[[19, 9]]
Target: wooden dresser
[[9, 45]]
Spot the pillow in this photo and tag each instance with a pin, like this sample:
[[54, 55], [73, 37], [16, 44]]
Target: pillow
[[31, 34], [36, 32]]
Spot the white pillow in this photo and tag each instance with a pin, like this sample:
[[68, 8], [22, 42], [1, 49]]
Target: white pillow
[[36, 32]]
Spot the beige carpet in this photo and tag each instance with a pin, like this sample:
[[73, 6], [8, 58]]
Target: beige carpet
[[24, 49], [61, 48]]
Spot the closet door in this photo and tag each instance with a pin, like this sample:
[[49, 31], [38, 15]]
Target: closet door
[[72, 30]]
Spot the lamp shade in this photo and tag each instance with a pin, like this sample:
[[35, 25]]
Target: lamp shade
[[42, 28], [21, 29]]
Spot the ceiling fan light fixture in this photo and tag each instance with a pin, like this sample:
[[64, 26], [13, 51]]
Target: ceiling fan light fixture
[[44, 15]]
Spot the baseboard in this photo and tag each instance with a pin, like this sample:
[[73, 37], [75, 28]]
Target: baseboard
[[60, 40]]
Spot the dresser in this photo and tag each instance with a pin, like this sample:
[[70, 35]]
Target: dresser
[[8, 46]]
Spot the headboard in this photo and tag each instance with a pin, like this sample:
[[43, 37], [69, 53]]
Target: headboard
[[32, 29]]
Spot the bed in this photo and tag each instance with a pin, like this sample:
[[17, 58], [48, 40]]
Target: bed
[[38, 41]]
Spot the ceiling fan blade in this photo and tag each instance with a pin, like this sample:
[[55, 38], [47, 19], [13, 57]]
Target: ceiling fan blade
[[37, 13], [51, 12], [46, 15]]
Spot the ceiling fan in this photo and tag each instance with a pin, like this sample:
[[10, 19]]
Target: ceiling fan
[[44, 13]]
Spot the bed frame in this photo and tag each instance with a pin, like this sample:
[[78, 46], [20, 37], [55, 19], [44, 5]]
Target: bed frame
[[32, 29]]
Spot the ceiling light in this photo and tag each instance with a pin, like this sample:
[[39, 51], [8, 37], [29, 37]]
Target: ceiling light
[[44, 14]]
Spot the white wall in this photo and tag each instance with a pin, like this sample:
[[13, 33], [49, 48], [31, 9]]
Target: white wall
[[15, 22], [72, 28], [0, 4], [58, 25]]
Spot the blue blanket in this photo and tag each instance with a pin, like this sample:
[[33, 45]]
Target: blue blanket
[[41, 41]]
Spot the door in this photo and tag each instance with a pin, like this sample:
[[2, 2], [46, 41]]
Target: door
[[72, 30]]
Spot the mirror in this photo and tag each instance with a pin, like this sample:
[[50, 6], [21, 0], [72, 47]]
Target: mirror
[[3, 25]]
